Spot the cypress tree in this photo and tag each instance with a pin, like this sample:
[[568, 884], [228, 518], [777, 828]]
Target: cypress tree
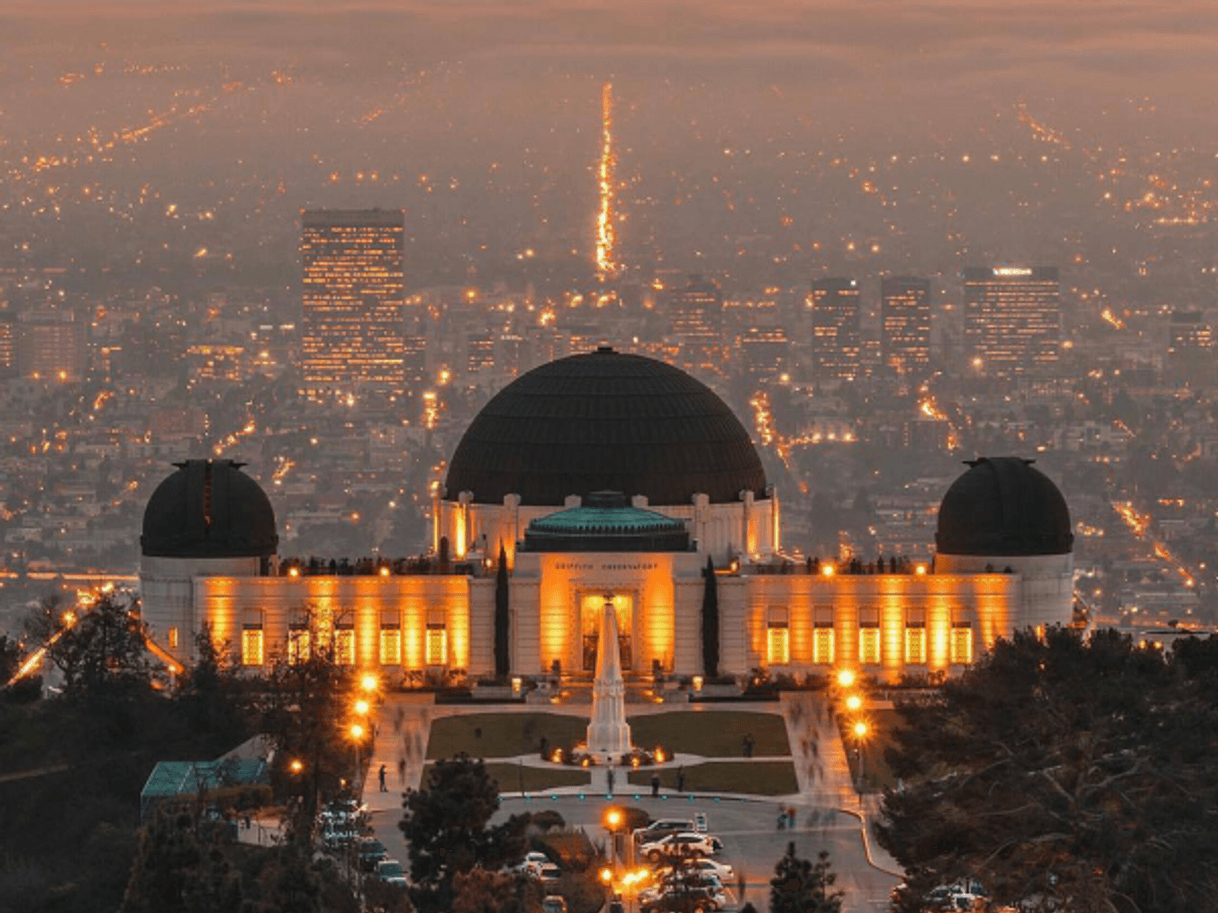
[[502, 617], [710, 621]]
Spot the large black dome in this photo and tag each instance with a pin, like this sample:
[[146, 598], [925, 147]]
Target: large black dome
[[605, 421], [209, 509], [1002, 506]]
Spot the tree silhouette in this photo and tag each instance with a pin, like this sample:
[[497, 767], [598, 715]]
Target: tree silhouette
[[502, 618], [445, 825], [800, 886], [710, 620]]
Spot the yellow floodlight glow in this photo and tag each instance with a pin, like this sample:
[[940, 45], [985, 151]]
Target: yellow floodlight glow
[[357, 731], [361, 707], [369, 682], [827, 570], [854, 702], [860, 729], [845, 678]]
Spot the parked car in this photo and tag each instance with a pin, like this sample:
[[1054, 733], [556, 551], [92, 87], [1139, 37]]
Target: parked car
[[338, 836], [720, 870], [390, 872], [371, 851], [662, 827], [687, 844], [532, 863], [549, 873], [553, 903]]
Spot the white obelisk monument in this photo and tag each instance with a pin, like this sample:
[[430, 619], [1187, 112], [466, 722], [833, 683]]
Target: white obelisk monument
[[608, 732]]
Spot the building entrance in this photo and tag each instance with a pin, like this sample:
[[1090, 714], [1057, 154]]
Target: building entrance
[[591, 607]]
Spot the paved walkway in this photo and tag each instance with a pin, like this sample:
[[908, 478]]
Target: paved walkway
[[822, 770]]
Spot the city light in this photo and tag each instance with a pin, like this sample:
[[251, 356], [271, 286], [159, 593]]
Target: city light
[[606, 231], [845, 678]]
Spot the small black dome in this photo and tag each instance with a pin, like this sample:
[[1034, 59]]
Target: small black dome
[[605, 420], [209, 509], [1002, 506]]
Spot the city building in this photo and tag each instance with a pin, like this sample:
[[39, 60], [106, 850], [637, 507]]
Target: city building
[[606, 477], [352, 333], [836, 337], [50, 345], [696, 324], [764, 352], [1012, 319], [1188, 334], [905, 324]]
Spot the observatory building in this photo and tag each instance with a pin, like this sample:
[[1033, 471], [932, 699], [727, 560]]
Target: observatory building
[[605, 477]]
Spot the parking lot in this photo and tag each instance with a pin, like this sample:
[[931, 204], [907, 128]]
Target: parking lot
[[752, 843]]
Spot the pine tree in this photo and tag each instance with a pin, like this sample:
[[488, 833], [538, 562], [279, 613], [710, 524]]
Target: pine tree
[[800, 886], [503, 659], [710, 621]]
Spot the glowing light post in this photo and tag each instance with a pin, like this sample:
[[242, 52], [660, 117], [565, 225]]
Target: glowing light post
[[860, 732], [611, 821]]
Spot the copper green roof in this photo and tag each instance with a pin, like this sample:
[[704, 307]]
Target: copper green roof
[[606, 523]]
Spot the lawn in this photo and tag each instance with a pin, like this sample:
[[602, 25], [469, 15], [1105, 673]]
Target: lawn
[[876, 773], [712, 733], [502, 735], [512, 777], [765, 778]]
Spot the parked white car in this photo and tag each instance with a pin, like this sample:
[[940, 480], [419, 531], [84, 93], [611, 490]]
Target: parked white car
[[721, 870], [532, 863], [683, 844]]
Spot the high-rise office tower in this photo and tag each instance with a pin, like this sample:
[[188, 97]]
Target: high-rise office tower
[[836, 337], [50, 345], [696, 315], [764, 352], [905, 324], [1012, 319], [353, 310]]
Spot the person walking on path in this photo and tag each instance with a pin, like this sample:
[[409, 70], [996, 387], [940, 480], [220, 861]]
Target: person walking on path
[[609, 778], [381, 776], [681, 779], [655, 784]]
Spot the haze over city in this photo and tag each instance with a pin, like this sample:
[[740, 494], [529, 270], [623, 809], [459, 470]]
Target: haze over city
[[850, 365]]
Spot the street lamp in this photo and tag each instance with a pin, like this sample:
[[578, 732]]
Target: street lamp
[[845, 678], [860, 733], [611, 820], [357, 734], [854, 702], [361, 707]]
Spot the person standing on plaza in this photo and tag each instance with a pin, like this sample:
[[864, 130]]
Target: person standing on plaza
[[655, 784], [681, 779]]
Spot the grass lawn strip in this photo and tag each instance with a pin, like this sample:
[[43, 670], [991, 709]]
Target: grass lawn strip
[[763, 778], [712, 733], [503, 735], [511, 777]]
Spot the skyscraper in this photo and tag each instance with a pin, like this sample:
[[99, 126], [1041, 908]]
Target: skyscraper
[[1012, 319], [696, 312], [905, 324], [836, 337], [50, 345], [353, 310]]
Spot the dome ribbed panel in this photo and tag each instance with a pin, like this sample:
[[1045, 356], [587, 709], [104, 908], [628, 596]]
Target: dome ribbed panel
[[605, 420]]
